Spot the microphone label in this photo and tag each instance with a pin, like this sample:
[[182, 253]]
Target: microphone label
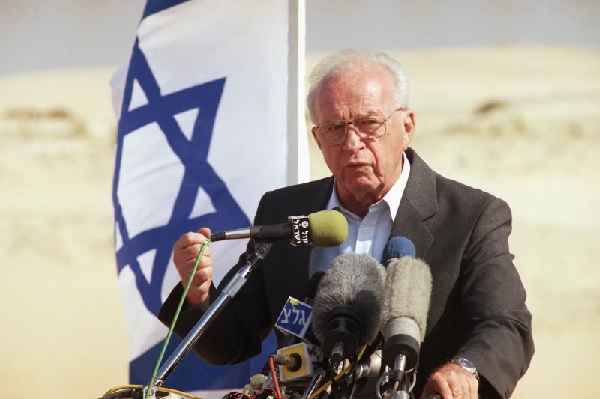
[[295, 318], [300, 230]]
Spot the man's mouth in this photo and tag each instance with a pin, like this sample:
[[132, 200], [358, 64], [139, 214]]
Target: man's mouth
[[356, 164]]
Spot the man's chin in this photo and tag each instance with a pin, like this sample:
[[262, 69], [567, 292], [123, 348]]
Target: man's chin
[[363, 188]]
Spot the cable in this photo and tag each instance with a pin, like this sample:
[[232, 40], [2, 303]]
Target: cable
[[274, 376], [337, 377], [172, 327], [168, 390]]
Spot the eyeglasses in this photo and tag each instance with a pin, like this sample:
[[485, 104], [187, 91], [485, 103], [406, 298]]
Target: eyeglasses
[[333, 133]]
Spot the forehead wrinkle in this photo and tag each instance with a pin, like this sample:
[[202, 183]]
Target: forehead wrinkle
[[372, 84]]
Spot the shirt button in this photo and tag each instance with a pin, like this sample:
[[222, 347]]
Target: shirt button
[[366, 230]]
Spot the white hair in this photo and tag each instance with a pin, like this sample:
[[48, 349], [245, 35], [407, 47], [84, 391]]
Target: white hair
[[329, 65]]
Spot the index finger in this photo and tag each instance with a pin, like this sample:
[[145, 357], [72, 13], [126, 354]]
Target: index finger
[[189, 239], [205, 231]]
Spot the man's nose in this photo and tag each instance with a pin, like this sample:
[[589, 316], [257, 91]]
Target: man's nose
[[352, 139]]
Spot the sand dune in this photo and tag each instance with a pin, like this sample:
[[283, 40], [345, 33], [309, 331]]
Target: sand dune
[[519, 122]]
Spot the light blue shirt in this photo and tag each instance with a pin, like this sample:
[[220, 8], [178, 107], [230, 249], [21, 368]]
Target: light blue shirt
[[368, 235]]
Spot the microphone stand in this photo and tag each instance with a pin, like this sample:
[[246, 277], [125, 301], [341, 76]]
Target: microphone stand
[[230, 290], [314, 383], [397, 381]]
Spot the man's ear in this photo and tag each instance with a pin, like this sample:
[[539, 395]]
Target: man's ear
[[409, 126]]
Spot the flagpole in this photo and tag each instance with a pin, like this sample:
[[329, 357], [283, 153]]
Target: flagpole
[[298, 170]]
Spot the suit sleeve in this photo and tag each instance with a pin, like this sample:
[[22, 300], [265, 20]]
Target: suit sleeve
[[237, 332], [497, 322]]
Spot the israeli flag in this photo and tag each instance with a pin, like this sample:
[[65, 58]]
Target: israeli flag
[[202, 134]]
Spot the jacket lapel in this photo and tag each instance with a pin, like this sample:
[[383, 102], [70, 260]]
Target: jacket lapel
[[417, 205]]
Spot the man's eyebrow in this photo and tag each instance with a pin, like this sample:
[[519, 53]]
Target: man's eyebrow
[[368, 113]]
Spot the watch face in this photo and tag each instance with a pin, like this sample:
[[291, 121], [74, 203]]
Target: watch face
[[466, 364]]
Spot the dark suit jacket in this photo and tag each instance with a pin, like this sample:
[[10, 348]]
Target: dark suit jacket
[[477, 306]]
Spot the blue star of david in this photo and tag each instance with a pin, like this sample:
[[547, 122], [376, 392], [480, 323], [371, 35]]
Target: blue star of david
[[193, 154], [192, 373]]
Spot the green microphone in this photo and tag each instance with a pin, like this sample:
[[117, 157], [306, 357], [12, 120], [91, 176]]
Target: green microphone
[[327, 228]]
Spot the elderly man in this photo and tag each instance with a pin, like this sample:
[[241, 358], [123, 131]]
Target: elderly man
[[478, 341]]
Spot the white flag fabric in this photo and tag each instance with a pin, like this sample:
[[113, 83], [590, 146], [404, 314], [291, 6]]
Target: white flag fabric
[[201, 136]]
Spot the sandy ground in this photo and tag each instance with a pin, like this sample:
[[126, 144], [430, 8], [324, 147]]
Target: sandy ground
[[521, 123]]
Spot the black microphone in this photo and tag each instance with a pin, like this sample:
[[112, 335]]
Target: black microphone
[[313, 286], [327, 228], [348, 303], [404, 319]]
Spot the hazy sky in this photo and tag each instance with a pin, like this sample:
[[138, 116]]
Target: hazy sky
[[44, 34]]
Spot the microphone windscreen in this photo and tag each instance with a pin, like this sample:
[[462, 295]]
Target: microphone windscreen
[[328, 228], [408, 289], [354, 281], [397, 248]]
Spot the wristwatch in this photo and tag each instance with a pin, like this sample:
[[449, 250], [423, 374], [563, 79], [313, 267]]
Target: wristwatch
[[466, 364]]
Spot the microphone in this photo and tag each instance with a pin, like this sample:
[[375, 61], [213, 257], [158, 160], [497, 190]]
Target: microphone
[[396, 248], [348, 303], [313, 286], [327, 228], [408, 286], [297, 362]]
